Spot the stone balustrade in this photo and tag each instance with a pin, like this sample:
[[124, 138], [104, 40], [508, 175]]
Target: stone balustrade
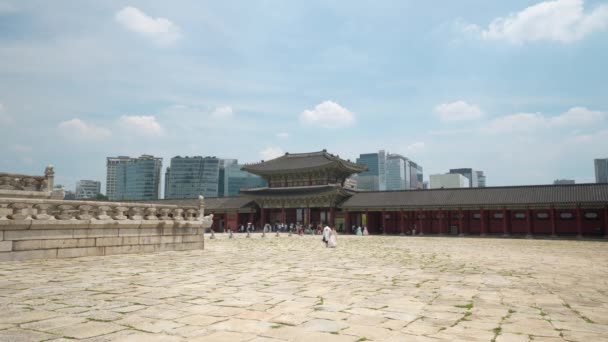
[[34, 228], [25, 186]]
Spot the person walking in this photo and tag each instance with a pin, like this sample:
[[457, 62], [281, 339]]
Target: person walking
[[359, 233], [326, 232], [333, 238]]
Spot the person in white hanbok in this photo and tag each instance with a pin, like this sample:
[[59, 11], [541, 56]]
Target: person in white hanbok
[[333, 238], [326, 232]]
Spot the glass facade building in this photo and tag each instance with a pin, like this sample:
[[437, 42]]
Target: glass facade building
[[138, 178], [374, 178], [601, 170], [236, 179], [190, 177]]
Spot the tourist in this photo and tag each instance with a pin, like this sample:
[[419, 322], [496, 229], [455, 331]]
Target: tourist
[[326, 232], [333, 238], [365, 231], [230, 233], [359, 231], [353, 229]]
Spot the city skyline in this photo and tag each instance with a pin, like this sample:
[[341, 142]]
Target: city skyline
[[468, 84]]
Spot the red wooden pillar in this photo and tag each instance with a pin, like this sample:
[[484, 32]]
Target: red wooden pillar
[[420, 222], [283, 214], [346, 221], [383, 221], [332, 216], [529, 223], [505, 227], [553, 230], [579, 222], [263, 217], [482, 218], [460, 222], [606, 222], [440, 215], [366, 219], [401, 223]]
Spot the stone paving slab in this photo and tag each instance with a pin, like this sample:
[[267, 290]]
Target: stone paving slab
[[376, 288]]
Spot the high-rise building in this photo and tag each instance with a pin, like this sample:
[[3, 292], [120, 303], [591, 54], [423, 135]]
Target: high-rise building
[[471, 175], [601, 170], [375, 178], [190, 177], [87, 189], [397, 172], [111, 165], [221, 186], [236, 179], [563, 181], [481, 179], [448, 181], [138, 178]]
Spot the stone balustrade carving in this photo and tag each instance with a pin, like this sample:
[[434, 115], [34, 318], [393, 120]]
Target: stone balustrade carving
[[35, 209], [11, 181]]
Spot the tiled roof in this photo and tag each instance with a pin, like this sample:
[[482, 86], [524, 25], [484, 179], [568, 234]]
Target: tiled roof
[[491, 196], [302, 161], [287, 191], [211, 203]]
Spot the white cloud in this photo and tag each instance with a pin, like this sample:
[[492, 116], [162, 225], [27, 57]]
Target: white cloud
[[328, 114], [224, 112], [458, 111], [142, 124], [283, 135], [271, 152], [415, 147], [160, 30], [516, 122], [80, 130], [560, 20], [576, 116]]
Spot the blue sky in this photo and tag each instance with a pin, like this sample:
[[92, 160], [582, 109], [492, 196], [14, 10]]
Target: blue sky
[[515, 88]]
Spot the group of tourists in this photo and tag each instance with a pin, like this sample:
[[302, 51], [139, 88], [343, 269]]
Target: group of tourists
[[359, 231]]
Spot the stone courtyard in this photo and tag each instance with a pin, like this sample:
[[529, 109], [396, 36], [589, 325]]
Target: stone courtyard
[[294, 289]]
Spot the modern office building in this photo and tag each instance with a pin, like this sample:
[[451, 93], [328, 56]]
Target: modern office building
[[375, 178], [563, 181], [448, 181], [87, 189], [397, 172], [469, 173], [190, 177], [221, 185], [111, 165], [138, 178], [481, 179], [236, 179], [601, 170]]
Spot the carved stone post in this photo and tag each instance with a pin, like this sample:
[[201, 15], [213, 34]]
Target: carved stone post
[[135, 213], [102, 212], [164, 214], [84, 212], [65, 212], [49, 174], [151, 214], [21, 211], [177, 214], [119, 213], [42, 212]]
